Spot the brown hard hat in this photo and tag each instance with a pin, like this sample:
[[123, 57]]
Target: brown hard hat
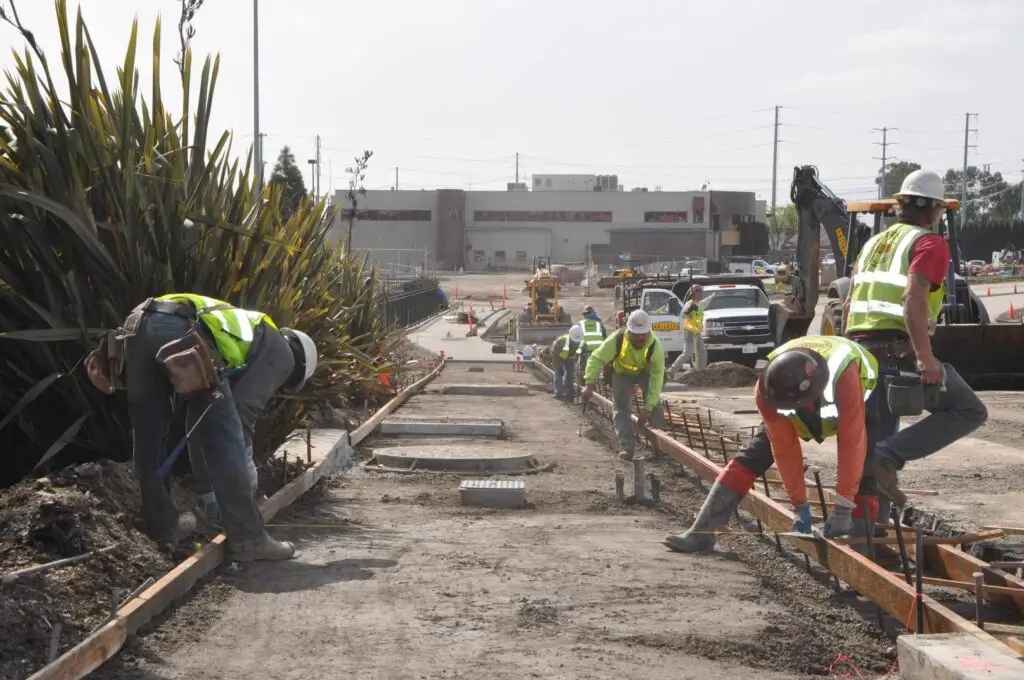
[[795, 378]]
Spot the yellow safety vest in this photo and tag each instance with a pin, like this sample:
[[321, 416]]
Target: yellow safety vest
[[623, 362], [593, 334], [876, 301], [839, 352], [232, 328], [566, 347], [694, 320]]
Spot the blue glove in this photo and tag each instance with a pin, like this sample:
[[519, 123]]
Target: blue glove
[[802, 524]]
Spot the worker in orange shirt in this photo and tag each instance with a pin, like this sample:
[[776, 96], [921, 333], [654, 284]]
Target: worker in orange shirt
[[814, 388]]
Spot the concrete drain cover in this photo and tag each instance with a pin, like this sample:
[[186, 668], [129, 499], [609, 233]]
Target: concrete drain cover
[[441, 426], [473, 458]]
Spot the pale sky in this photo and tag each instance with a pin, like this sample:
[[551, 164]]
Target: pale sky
[[666, 93]]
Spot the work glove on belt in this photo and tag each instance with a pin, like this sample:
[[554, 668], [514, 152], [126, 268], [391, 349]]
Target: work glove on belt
[[840, 521], [802, 524]]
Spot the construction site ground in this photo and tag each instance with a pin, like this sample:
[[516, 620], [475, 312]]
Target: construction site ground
[[395, 579]]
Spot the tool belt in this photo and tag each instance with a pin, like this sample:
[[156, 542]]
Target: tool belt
[[189, 362], [905, 394]]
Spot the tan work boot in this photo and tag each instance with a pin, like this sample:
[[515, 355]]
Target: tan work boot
[[888, 481], [263, 548]]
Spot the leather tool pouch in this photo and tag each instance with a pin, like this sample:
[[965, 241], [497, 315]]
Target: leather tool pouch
[[905, 394], [189, 364], [105, 364]]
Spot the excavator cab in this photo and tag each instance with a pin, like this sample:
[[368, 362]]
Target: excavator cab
[[963, 324]]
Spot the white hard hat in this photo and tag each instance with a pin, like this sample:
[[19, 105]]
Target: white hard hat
[[638, 322], [305, 353], [576, 334], [924, 184]]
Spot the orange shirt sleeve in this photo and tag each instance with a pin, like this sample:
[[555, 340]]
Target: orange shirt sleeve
[[789, 455], [852, 431]]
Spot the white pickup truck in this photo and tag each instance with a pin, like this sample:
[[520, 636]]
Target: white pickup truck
[[737, 320]]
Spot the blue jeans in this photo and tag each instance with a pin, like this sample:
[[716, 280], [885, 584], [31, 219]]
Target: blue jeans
[[959, 413], [563, 381], [150, 397]]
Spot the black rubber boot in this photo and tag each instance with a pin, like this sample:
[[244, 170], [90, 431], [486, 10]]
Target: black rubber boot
[[720, 504]]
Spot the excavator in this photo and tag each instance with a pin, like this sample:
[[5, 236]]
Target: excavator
[[985, 352]]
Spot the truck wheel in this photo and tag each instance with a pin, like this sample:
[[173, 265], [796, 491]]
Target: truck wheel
[[832, 318]]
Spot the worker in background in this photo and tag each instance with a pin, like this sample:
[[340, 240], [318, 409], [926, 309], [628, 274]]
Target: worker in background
[[594, 334], [255, 360], [892, 308], [564, 351], [636, 357], [813, 388], [695, 352]]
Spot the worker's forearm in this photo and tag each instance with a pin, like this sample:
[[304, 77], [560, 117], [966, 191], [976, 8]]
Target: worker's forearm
[[786, 449], [915, 312], [657, 380], [594, 365], [852, 441]]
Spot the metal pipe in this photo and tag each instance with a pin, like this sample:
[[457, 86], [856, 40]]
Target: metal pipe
[[904, 560], [919, 594], [639, 486], [979, 599]]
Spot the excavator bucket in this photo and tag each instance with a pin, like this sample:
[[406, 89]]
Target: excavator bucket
[[987, 356]]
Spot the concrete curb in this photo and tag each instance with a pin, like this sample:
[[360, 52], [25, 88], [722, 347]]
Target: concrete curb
[[102, 645]]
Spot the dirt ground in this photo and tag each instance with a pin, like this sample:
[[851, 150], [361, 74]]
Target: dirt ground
[[396, 580]]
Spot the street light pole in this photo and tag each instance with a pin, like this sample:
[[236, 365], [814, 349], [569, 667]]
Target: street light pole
[[257, 138]]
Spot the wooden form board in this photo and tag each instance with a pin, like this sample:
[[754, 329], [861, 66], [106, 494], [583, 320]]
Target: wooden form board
[[889, 591], [95, 650]]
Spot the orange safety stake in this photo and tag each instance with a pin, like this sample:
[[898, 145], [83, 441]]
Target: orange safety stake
[[1013, 314], [471, 317], [988, 293]]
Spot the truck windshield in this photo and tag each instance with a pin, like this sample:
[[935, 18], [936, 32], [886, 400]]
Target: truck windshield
[[734, 299]]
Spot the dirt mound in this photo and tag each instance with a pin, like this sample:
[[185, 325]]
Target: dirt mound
[[75, 511], [720, 374]]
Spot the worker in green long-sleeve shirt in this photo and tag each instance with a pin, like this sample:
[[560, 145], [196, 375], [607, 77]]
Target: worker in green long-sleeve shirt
[[637, 357]]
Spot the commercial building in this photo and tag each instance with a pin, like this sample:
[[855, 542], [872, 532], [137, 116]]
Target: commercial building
[[568, 218]]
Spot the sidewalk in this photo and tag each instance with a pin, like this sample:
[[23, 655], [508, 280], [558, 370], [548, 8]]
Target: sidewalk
[[432, 337]]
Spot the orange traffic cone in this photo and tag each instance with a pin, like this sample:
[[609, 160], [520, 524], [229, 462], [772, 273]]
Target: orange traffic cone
[[988, 293], [1013, 314]]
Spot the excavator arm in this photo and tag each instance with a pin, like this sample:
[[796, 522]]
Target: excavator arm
[[817, 210]]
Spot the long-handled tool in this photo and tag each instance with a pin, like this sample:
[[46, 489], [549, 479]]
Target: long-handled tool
[[583, 413], [169, 461]]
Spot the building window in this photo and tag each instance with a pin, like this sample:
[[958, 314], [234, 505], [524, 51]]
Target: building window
[[397, 215], [499, 255], [672, 217], [547, 182], [542, 215], [520, 254], [737, 219], [536, 181]]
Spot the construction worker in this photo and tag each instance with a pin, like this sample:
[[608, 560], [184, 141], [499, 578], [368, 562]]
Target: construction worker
[[252, 360], [694, 351], [564, 351], [594, 334], [892, 308], [813, 388], [636, 357]]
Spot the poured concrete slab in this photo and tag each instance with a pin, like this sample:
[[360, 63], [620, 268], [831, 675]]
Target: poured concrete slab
[[487, 390], [478, 458], [441, 427], [954, 656], [493, 493]]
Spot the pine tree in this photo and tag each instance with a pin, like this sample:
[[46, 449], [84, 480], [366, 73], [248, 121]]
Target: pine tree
[[286, 172]]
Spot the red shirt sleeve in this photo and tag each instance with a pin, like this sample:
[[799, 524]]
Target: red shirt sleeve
[[789, 455], [853, 445], [929, 257]]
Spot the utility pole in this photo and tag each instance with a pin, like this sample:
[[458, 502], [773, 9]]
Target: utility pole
[[775, 161], [396, 178], [319, 193], [963, 179], [1022, 196], [517, 167], [882, 192], [257, 138]]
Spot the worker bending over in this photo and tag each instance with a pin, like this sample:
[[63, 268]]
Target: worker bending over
[[695, 352], [813, 388], [225, 363], [892, 308], [636, 357], [564, 351]]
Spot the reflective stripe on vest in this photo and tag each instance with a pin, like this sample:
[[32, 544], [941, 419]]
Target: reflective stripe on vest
[[876, 300], [593, 334], [232, 328], [694, 321], [839, 352], [620, 360]]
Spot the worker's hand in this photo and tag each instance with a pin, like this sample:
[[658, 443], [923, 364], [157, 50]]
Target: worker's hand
[[643, 417], [931, 370], [587, 393], [840, 521], [802, 524]]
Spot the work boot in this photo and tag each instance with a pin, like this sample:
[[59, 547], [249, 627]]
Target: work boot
[[262, 548], [209, 513], [887, 480], [182, 529], [720, 504], [626, 455]]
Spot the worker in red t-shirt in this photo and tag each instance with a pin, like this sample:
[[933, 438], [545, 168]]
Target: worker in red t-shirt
[[892, 307]]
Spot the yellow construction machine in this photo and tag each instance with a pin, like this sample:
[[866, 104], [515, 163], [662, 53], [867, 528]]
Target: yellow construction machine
[[543, 319], [985, 351]]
